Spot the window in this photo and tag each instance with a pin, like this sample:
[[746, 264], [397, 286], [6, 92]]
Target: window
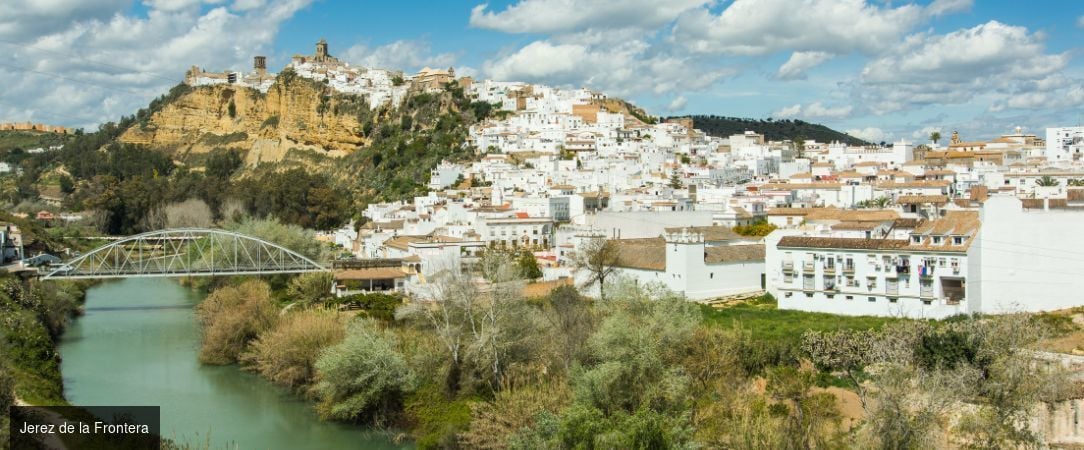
[[808, 295], [872, 299], [937, 239], [892, 300], [710, 275], [958, 240], [850, 297]]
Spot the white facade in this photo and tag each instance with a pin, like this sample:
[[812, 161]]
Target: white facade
[[1063, 143]]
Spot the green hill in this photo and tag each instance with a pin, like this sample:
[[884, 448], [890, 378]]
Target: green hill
[[773, 130]]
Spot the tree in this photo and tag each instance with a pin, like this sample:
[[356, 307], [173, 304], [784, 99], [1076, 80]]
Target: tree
[[310, 288], [221, 163], [191, 213], [1047, 181], [675, 180], [935, 137], [484, 332], [811, 419], [364, 376], [799, 147], [528, 266], [598, 257], [571, 318], [67, 186]]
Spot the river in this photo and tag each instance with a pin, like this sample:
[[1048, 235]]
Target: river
[[137, 345]]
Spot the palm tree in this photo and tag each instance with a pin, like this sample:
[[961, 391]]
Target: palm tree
[[935, 136], [1047, 180]]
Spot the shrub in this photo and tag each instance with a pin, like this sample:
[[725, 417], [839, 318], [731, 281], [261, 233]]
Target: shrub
[[287, 353], [364, 376], [233, 316], [494, 423], [437, 419], [310, 288], [377, 305]]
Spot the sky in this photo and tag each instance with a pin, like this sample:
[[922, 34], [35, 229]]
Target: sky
[[881, 70]]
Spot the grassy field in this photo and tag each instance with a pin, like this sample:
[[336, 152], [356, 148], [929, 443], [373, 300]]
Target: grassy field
[[765, 321], [28, 139]]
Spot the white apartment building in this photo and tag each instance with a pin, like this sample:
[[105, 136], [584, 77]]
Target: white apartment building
[[516, 231], [1012, 255], [1064, 143]]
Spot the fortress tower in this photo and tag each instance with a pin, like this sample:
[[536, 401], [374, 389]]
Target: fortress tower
[[321, 51], [260, 64]]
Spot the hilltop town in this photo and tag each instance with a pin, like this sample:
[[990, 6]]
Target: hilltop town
[[439, 259], [918, 229]]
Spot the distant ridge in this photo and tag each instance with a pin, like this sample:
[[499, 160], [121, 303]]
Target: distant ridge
[[772, 129]]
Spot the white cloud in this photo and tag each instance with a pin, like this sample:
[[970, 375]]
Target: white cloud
[[799, 63], [80, 68], [923, 134], [677, 104], [621, 69], [34, 17], [788, 111], [409, 55], [757, 27], [815, 110], [558, 16], [942, 7], [868, 134], [1080, 22], [955, 67]]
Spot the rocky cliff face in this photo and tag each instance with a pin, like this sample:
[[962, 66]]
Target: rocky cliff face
[[294, 113]]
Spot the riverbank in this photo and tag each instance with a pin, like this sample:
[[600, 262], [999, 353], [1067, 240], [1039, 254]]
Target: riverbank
[[201, 406]]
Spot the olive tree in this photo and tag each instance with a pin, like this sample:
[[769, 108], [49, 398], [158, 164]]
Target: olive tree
[[364, 376]]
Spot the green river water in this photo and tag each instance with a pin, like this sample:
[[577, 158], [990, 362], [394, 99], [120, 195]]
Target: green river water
[[137, 345]]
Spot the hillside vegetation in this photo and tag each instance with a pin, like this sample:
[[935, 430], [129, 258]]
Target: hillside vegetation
[[182, 158], [773, 130]]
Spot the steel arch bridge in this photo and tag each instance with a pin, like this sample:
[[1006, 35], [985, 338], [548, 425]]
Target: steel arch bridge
[[185, 252]]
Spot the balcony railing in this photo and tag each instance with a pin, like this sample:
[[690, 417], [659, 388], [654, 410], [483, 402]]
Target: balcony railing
[[829, 270], [807, 266], [849, 270], [788, 266]]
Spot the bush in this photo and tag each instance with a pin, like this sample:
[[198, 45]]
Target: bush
[[377, 305], [437, 420], [759, 228], [944, 350], [233, 316], [495, 423], [363, 377], [310, 288], [287, 353]]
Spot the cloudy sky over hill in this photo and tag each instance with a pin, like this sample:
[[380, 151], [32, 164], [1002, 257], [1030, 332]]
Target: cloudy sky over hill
[[882, 70]]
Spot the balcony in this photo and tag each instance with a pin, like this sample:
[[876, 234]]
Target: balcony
[[788, 266], [848, 270], [807, 266], [830, 270]]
